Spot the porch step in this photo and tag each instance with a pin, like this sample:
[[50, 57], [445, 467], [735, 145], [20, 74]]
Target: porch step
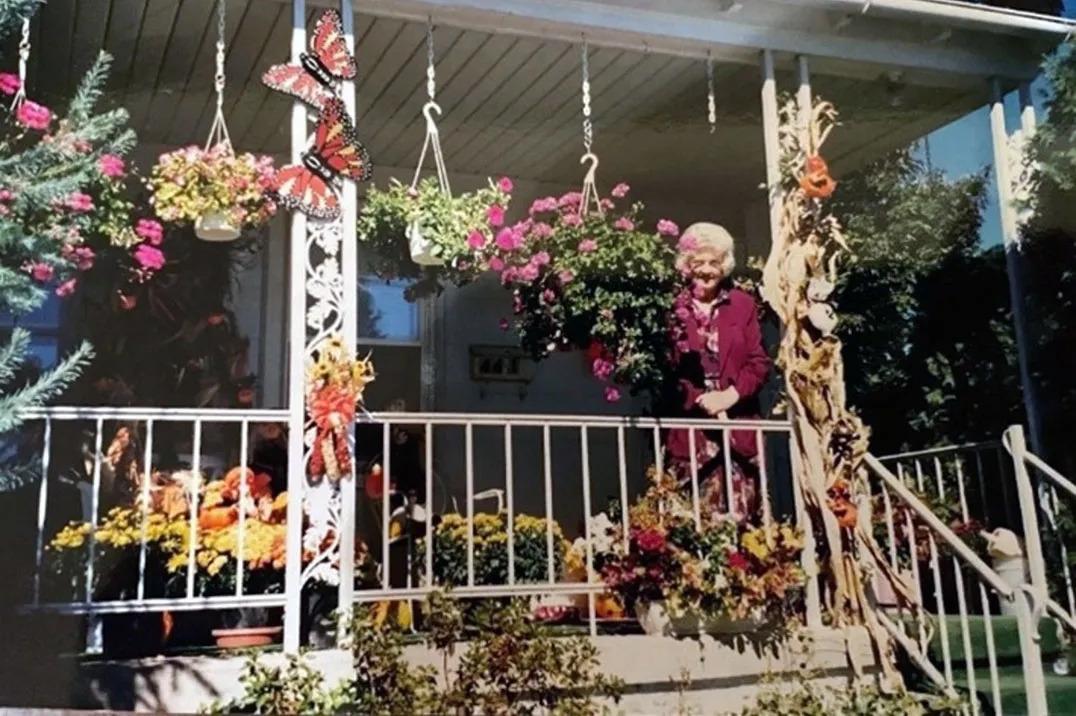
[[1060, 690]]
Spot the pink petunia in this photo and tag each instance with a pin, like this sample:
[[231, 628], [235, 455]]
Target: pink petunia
[[506, 240], [6, 195], [667, 228], [602, 368], [41, 272], [77, 201], [9, 83], [548, 296], [565, 276], [588, 245], [82, 257], [620, 190], [570, 200], [33, 116], [503, 323], [612, 395], [539, 206], [528, 273], [505, 185], [496, 264], [149, 257], [150, 230], [476, 239], [66, 288], [571, 220], [541, 230], [541, 258], [495, 215], [624, 224], [111, 166]]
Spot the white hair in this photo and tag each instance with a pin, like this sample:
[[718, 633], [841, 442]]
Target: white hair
[[705, 236]]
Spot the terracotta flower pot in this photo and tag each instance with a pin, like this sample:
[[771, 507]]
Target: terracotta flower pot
[[245, 637], [216, 226]]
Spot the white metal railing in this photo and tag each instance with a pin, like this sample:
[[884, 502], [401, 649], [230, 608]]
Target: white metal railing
[[548, 466], [941, 568]]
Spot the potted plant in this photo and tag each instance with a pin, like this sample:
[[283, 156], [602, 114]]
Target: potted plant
[[220, 192], [594, 282], [722, 576], [425, 233]]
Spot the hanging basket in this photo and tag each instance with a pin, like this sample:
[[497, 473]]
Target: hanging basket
[[423, 251], [216, 226]]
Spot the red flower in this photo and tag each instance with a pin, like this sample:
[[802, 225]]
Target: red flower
[[650, 540], [738, 561]]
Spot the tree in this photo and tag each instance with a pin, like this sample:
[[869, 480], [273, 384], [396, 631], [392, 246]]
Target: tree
[[929, 354], [45, 166]]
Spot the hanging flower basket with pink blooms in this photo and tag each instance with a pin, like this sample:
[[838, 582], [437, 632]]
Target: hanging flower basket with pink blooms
[[455, 232], [593, 281], [221, 193]]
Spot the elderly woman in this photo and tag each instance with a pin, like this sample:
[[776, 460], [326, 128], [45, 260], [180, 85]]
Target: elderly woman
[[719, 365]]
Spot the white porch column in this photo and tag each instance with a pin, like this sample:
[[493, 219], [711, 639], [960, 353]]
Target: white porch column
[[1010, 229], [349, 271], [772, 144], [296, 356]]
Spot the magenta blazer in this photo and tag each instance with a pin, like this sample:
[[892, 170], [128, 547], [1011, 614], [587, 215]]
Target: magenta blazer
[[741, 361]]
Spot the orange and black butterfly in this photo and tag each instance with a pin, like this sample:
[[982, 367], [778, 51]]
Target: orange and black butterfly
[[313, 79], [310, 187]]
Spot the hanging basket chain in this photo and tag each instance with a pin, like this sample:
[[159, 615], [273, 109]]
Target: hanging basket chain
[[711, 103], [590, 189], [24, 59], [432, 141], [218, 131]]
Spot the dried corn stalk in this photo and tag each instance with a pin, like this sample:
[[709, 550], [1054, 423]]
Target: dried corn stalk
[[829, 439]]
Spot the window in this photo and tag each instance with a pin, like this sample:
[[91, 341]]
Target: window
[[44, 327], [389, 328]]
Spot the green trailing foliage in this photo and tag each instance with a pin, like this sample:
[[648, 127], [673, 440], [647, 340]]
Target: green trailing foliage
[[510, 666]]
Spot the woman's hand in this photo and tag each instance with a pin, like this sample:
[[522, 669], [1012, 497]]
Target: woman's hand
[[716, 402]]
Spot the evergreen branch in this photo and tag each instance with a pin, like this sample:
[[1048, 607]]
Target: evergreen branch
[[48, 386], [89, 89], [13, 354], [17, 293], [12, 477]]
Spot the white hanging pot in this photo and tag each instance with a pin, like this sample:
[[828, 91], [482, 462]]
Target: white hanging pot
[[422, 249], [215, 226]]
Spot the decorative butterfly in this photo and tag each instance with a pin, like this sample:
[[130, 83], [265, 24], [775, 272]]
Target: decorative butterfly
[[312, 80], [309, 187]]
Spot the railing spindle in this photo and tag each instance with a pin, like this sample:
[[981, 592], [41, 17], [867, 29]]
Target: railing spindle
[[95, 502], [511, 521], [584, 438], [622, 463], [42, 508], [547, 464], [763, 479], [730, 495], [244, 489], [695, 504], [386, 517], [659, 456], [147, 477], [913, 550], [469, 444], [196, 486], [961, 597], [939, 599], [429, 504]]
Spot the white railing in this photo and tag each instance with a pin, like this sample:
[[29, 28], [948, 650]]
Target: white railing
[[925, 498], [553, 467]]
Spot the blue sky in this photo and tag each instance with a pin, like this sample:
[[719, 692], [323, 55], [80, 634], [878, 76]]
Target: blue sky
[[965, 146]]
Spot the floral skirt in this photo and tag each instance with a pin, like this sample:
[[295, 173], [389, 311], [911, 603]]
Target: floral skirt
[[713, 487]]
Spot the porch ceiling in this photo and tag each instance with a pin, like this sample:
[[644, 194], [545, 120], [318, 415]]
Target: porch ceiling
[[511, 102]]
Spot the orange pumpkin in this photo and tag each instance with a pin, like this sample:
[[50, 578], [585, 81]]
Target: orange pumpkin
[[217, 518], [817, 182]]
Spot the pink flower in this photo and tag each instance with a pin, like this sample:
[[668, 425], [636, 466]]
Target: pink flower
[[602, 368], [41, 272], [81, 256], [687, 243], [571, 220], [149, 257], [496, 264], [506, 240], [541, 258], [543, 205], [528, 273], [624, 224], [34, 116], [77, 201], [505, 185], [111, 166], [476, 239], [569, 200], [517, 302], [9, 83], [611, 394], [606, 204], [503, 323], [495, 214], [667, 228], [6, 195], [150, 230], [620, 190], [565, 276], [66, 288], [541, 230], [548, 296], [588, 245]]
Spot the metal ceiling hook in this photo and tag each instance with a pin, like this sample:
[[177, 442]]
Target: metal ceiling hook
[[427, 111], [593, 159]]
